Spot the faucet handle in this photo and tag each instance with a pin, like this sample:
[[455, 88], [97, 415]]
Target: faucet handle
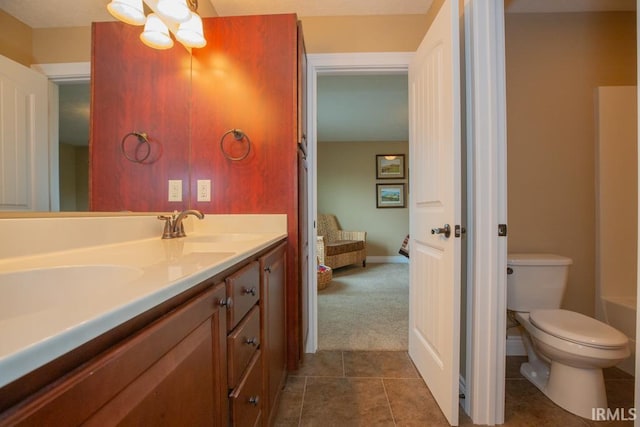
[[166, 233]]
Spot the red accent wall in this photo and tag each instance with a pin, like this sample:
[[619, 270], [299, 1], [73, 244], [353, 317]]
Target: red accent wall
[[136, 88], [245, 78]]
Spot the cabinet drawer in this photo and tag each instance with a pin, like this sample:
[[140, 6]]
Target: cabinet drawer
[[242, 343], [244, 288], [246, 399]]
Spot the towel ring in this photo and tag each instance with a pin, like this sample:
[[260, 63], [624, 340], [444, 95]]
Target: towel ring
[[143, 138], [238, 135]]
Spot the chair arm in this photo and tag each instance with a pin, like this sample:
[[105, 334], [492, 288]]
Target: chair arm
[[320, 244], [352, 235]]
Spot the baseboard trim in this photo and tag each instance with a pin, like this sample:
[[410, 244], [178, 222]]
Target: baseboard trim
[[388, 259], [515, 346]]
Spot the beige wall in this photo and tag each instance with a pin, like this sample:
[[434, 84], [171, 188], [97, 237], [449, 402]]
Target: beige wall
[[554, 63], [52, 45], [382, 33], [347, 188], [15, 39], [326, 34]]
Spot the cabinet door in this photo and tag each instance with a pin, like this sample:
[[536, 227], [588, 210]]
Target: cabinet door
[[170, 373], [273, 284]]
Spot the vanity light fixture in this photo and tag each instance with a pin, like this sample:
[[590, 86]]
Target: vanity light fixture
[[179, 17]]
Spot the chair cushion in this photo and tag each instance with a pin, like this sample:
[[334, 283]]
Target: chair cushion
[[343, 246]]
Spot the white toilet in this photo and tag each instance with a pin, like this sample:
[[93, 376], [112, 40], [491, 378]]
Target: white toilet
[[566, 350]]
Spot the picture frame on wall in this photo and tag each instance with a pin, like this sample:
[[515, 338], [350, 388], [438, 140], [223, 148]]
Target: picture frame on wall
[[390, 195], [390, 166]]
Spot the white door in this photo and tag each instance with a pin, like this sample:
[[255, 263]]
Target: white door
[[24, 144], [434, 123]]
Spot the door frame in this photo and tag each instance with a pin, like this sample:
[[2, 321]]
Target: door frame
[[59, 73], [333, 64], [485, 134]]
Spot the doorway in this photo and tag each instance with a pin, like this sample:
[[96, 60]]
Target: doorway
[[335, 65], [363, 119], [73, 140]]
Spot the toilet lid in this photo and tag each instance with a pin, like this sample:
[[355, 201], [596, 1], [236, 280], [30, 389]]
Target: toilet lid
[[578, 328]]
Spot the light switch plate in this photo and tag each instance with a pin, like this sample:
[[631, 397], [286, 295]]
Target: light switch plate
[[204, 190], [175, 190]]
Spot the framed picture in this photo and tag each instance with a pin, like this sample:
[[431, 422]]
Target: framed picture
[[389, 166], [390, 196]]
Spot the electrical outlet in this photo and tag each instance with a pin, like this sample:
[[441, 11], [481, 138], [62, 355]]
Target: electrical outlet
[[175, 190], [204, 190]]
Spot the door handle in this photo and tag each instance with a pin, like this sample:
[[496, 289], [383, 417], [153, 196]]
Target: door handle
[[446, 230]]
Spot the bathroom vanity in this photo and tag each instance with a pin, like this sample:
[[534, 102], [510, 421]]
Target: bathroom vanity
[[186, 331]]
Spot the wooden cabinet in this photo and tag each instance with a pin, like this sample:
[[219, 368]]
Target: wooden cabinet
[[245, 400], [244, 339], [273, 286], [171, 373], [214, 356]]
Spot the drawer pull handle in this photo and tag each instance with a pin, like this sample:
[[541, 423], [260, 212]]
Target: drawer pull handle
[[250, 291], [228, 302], [254, 400], [251, 341]]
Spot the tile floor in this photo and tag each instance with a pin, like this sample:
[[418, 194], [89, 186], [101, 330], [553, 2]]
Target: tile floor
[[363, 388]]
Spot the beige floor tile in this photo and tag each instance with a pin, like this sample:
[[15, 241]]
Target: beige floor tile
[[616, 374], [322, 364], [412, 404], [379, 364], [513, 367], [345, 402], [290, 406], [356, 388], [527, 406]]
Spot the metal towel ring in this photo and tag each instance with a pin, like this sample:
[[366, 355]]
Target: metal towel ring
[[238, 135], [143, 138]]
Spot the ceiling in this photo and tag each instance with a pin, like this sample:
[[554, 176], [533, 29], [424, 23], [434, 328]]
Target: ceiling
[[363, 108], [47, 13], [67, 13], [350, 108]]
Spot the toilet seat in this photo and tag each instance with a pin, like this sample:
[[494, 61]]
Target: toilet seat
[[577, 328]]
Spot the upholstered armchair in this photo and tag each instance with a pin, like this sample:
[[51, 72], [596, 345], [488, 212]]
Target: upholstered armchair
[[336, 247]]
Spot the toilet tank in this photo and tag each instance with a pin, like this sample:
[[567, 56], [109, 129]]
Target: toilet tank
[[536, 281]]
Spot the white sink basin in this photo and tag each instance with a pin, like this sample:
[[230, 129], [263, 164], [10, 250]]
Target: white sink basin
[[224, 237], [28, 291]]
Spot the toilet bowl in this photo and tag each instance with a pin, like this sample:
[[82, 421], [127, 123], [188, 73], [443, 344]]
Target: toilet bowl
[[566, 350], [566, 363]]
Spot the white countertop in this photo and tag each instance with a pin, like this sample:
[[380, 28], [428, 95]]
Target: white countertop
[[55, 301]]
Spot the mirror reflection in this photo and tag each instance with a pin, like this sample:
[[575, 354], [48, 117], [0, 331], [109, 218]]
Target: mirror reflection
[[73, 140]]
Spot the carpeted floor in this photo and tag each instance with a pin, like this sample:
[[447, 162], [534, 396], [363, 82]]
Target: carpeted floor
[[365, 309]]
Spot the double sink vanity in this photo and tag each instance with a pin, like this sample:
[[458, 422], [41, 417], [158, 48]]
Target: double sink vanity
[[103, 322]]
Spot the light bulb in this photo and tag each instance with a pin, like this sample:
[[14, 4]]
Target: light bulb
[[128, 11], [190, 33], [174, 10], [156, 33]]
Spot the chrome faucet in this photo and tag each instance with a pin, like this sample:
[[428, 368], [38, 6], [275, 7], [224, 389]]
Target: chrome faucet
[[173, 224]]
